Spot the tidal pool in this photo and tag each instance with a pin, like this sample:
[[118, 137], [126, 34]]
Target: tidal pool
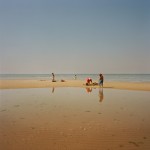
[[74, 119]]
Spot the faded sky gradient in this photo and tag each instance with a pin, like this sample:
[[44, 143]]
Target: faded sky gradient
[[74, 36]]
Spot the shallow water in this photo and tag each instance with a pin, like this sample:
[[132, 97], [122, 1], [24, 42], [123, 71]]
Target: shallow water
[[74, 118], [95, 77]]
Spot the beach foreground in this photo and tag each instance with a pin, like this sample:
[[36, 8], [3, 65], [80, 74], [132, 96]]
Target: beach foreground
[[15, 84], [73, 119]]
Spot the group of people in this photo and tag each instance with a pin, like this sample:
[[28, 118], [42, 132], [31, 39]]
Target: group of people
[[88, 80], [100, 83]]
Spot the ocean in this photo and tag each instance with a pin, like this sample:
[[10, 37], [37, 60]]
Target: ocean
[[95, 77]]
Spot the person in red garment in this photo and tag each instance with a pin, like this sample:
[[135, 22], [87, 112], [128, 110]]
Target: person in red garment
[[88, 81]]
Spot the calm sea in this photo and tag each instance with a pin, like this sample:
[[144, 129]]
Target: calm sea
[[107, 77]]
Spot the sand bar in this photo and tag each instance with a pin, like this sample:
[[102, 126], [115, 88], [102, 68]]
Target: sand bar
[[16, 84]]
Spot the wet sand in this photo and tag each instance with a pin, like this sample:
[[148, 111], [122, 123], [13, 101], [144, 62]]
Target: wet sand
[[13, 84], [74, 119]]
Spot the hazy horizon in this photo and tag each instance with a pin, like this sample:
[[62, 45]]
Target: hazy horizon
[[82, 36]]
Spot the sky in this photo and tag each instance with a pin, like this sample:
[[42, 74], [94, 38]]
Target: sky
[[74, 36]]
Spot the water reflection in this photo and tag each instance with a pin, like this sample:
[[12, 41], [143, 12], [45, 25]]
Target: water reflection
[[89, 90], [73, 114], [101, 95], [53, 89]]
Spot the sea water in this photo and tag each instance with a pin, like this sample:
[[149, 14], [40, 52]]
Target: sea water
[[95, 77]]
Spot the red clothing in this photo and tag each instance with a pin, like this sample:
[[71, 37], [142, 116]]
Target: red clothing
[[88, 80]]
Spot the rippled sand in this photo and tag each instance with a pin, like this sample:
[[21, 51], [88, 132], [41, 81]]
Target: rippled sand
[[74, 119]]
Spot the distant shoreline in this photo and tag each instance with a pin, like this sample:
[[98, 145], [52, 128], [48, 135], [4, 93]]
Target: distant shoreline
[[107, 77], [18, 84]]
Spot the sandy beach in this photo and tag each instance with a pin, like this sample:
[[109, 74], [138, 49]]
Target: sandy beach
[[41, 114], [75, 75], [15, 84], [73, 119]]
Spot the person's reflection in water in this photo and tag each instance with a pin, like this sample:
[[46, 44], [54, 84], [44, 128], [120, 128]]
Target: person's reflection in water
[[53, 89], [101, 95], [89, 90]]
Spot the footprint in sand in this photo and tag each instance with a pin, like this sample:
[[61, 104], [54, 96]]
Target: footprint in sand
[[87, 111], [16, 105], [3, 110], [134, 143]]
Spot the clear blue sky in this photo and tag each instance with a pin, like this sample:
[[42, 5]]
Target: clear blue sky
[[74, 36]]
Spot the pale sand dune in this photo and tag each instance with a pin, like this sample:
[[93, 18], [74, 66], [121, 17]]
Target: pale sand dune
[[14, 84]]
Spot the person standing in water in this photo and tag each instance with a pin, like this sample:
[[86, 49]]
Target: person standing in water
[[101, 80]]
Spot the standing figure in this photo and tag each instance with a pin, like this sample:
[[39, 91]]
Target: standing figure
[[53, 77], [101, 80], [75, 76]]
